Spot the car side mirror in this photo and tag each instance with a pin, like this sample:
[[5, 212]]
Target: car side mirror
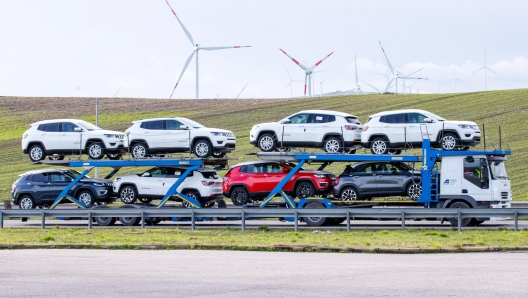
[[184, 127], [285, 170], [78, 129], [285, 121], [67, 179], [146, 175], [428, 120]]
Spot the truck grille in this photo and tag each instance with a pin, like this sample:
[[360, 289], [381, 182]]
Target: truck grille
[[504, 195]]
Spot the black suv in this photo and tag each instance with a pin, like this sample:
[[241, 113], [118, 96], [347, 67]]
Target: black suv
[[41, 188]]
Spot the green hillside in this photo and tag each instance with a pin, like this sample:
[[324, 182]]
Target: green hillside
[[507, 109]]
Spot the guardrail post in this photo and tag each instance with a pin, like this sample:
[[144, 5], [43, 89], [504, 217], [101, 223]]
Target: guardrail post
[[1, 220], [193, 220], [296, 226], [403, 220], [516, 224], [142, 219], [348, 220], [43, 224], [243, 220], [90, 220], [459, 220]]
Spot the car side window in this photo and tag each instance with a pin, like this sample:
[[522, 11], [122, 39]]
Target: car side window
[[49, 127], [396, 118], [415, 118], [299, 118], [58, 177], [40, 178], [159, 172], [274, 168], [155, 124], [172, 125], [362, 169], [317, 118], [381, 168], [68, 127]]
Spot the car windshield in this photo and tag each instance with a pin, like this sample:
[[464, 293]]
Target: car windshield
[[434, 116], [191, 123], [74, 174], [88, 126]]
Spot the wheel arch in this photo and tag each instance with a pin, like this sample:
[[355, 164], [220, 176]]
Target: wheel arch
[[450, 200], [20, 195], [444, 131], [238, 185], [136, 141], [94, 140], [127, 184], [271, 131], [351, 185], [378, 135], [32, 143]]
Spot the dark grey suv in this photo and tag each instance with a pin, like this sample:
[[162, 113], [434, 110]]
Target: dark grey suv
[[365, 180], [41, 188]]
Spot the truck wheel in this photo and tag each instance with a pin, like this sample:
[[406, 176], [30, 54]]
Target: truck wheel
[[267, 142], [334, 221], [313, 221], [239, 196], [333, 145], [130, 221], [86, 197], [36, 153], [128, 194], [414, 191], [139, 150], [95, 151], [105, 221], [305, 190], [449, 141], [202, 149], [379, 146], [454, 220]]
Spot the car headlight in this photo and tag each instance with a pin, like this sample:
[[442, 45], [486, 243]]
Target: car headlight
[[464, 126], [114, 136], [216, 134], [98, 184], [475, 127], [117, 179], [225, 134]]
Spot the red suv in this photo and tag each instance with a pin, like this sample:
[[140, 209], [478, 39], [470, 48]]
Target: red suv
[[255, 180]]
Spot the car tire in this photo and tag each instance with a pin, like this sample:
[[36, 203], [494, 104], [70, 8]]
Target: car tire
[[267, 142], [209, 204], [36, 153], [449, 141], [333, 145], [193, 195], [453, 220], [95, 150], [114, 156], [379, 146], [202, 148], [26, 202], [139, 150], [311, 220], [105, 221], [349, 195], [218, 154], [334, 221], [145, 200], [86, 197], [130, 221], [56, 157], [128, 194], [239, 196], [414, 190], [304, 189]]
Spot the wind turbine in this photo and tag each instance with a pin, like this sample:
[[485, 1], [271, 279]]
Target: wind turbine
[[410, 75], [197, 47], [290, 84], [241, 91], [322, 87], [307, 71], [379, 91], [485, 68], [313, 79], [395, 73], [454, 79]]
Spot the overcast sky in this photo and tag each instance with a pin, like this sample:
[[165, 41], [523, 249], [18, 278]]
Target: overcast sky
[[96, 47]]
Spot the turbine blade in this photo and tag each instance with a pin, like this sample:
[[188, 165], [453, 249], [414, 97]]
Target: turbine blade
[[320, 61], [241, 91], [449, 81], [478, 69], [416, 71], [355, 67], [184, 68], [371, 86], [389, 85], [490, 70], [223, 48], [296, 62], [288, 74], [460, 80], [387, 58], [411, 78], [181, 24]]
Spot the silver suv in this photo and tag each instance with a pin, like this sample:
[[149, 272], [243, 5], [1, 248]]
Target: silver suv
[[389, 132], [60, 137]]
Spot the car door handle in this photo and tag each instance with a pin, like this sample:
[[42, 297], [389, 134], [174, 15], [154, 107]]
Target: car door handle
[[379, 176], [356, 177]]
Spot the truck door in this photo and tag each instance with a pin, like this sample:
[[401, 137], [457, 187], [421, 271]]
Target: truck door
[[476, 179]]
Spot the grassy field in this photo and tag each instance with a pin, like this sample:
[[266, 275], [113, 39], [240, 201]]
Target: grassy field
[[264, 239], [507, 109]]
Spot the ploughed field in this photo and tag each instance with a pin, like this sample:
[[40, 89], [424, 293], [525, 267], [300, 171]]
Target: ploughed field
[[508, 109]]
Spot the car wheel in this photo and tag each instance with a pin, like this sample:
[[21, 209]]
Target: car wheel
[[193, 195], [414, 191], [379, 146], [95, 151], [454, 220], [145, 200], [219, 154], [202, 149], [114, 156], [312, 220], [130, 221], [105, 221], [333, 145], [239, 196], [449, 141], [305, 190], [349, 195], [86, 197], [56, 157], [128, 194], [36, 153], [26, 202], [267, 142], [139, 150]]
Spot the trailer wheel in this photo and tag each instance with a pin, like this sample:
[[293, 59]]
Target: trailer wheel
[[105, 221], [334, 221], [454, 220], [130, 221], [304, 190], [313, 221]]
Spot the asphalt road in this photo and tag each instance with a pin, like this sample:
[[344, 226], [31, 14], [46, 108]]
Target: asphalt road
[[109, 273]]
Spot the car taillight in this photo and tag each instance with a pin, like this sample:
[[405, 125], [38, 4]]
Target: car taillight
[[350, 127], [207, 183], [127, 133], [336, 181], [226, 178], [13, 187], [365, 128], [24, 136]]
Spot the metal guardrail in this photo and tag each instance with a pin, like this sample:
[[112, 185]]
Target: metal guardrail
[[250, 213]]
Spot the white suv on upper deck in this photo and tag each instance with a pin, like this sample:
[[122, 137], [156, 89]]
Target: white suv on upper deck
[[332, 131], [59, 137], [170, 135], [389, 132]]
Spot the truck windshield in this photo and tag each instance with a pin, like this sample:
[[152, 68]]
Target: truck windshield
[[498, 170]]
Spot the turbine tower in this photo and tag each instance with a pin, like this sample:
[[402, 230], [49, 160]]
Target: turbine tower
[[290, 84], [485, 68], [395, 73], [197, 48], [454, 79], [307, 71]]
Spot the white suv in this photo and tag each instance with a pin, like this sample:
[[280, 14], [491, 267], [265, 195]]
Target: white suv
[[60, 137], [389, 132], [171, 135], [332, 131], [203, 185]]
